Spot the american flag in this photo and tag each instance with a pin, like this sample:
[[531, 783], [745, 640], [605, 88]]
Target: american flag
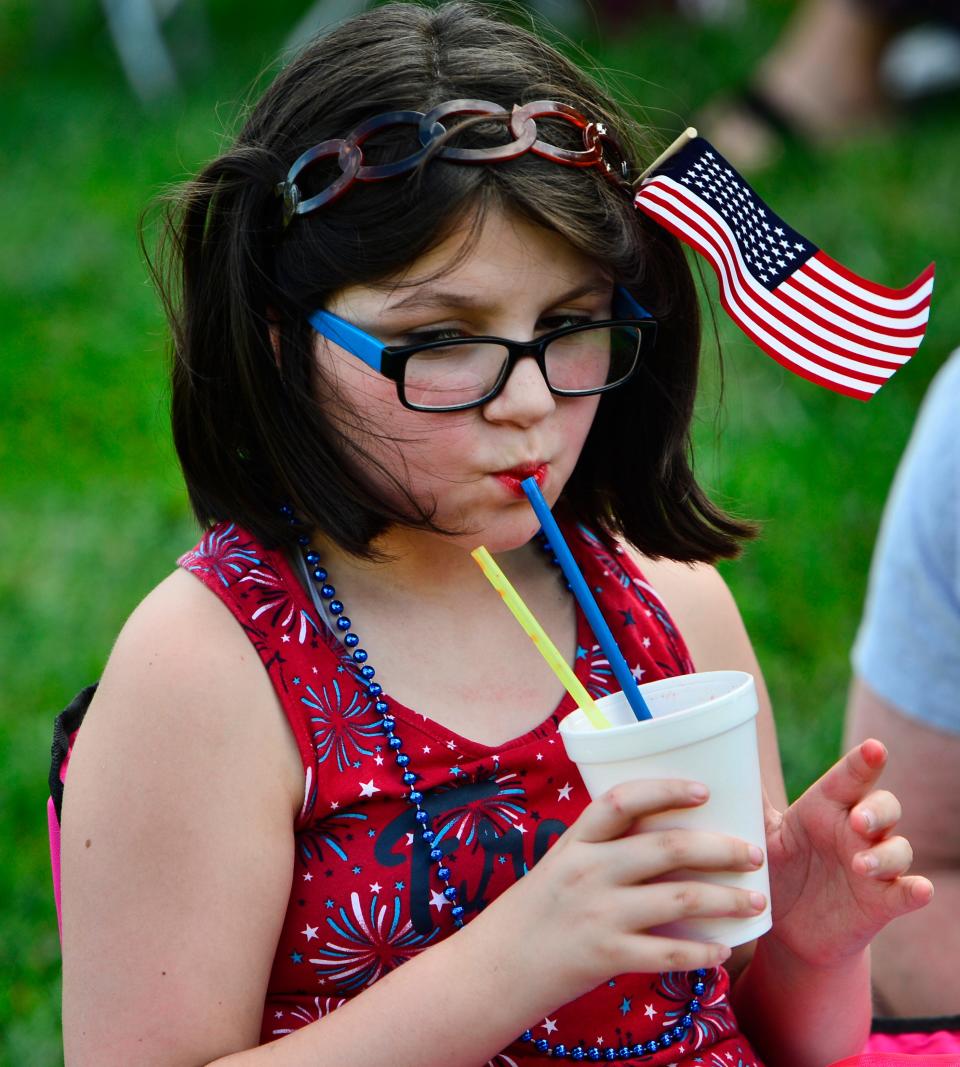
[[806, 310]]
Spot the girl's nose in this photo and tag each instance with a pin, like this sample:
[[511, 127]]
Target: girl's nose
[[524, 399]]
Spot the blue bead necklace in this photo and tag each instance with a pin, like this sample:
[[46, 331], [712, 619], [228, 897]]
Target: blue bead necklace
[[336, 608]]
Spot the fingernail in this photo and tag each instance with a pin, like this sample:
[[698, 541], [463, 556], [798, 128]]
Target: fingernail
[[758, 900], [723, 953], [699, 792], [869, 819], [756, 855], [868, 863]]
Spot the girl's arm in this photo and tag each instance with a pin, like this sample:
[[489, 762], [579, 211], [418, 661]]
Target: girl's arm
[[804, 997], [707, 616], [177, 866], [177, 870]]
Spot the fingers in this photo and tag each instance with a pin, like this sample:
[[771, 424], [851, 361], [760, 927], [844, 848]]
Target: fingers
[[848, 781], [653, 955], [876, 815], [915, 892], [903, 895], [885, 861], [667, 902], [613, 813], [638, 858]]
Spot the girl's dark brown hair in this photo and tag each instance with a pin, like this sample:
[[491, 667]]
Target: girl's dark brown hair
[[248, 409]]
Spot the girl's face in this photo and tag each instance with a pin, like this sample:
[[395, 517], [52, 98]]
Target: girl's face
[[517, 281]]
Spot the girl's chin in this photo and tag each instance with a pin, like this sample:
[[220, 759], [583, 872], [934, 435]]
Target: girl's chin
[[505, 534]]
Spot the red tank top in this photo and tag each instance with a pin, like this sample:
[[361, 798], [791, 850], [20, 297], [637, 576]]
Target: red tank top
[[365, 895]]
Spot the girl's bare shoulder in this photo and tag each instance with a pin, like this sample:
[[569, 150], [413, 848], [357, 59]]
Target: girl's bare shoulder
[[177, 843], [182, 668]]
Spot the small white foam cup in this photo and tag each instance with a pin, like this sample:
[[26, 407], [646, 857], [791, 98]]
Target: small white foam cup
[[703, 729]]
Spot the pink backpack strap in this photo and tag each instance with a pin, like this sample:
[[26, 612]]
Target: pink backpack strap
[[65, 728], [899, 1059]]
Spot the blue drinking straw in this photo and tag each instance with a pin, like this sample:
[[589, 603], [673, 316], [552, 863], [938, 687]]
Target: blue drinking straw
[[582, 592]]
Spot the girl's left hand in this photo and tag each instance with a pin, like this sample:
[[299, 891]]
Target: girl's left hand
[[837, 871]]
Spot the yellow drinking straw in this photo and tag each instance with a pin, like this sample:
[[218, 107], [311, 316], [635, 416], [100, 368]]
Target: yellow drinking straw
[[539, 637]]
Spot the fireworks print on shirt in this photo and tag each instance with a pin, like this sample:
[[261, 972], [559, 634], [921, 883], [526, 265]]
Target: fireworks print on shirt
[[342, 726], [278, 608], [326, 834], [302, 1015], [369, 945], [599, 681], [223, 554], [490, 815], [714, 1021]]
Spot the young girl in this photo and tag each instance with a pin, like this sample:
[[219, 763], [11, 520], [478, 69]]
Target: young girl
[[385, 320]]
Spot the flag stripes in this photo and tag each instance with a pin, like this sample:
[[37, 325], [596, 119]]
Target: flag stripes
[[821, 321]]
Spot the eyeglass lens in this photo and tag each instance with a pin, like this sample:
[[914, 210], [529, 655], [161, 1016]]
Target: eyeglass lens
[[578, 362]]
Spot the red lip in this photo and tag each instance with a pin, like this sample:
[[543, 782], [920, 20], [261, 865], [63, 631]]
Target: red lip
[[512, 478]]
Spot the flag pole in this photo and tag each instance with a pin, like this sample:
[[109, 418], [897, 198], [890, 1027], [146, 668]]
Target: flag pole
[[688, 135]]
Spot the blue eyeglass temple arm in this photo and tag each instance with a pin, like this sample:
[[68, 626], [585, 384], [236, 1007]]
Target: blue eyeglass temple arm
[[625, 307], [356, 341], [360, 344]]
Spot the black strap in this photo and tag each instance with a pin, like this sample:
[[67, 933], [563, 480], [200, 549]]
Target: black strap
[[924, 1025], [64, 725]]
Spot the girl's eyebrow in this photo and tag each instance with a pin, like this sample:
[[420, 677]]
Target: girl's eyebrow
[[434, 298]]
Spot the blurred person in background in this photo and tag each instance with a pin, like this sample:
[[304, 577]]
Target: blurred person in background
[[838, 69], [906, 689]]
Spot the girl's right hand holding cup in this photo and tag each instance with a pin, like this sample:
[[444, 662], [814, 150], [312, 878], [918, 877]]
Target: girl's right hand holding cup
[[584, 913]]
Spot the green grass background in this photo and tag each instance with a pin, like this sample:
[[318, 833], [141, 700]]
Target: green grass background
[[93, 512]]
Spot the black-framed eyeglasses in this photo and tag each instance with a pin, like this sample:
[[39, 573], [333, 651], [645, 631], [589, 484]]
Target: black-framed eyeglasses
[[466, 372]]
